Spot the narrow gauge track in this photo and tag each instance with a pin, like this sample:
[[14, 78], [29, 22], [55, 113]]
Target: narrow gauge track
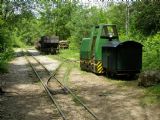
[[45, 85], [47, 90]]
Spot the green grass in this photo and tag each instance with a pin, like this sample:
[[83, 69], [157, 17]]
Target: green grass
[[67, 73], [152, 95], [64, 56], [69, 55], [66, 53], [5, 57], [3, 67]]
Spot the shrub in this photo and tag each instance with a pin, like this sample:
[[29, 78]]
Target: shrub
[[151, 54], [4, 58]]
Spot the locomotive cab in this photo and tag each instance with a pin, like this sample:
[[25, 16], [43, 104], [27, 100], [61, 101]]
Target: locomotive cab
[[109, 32], [91, 48]]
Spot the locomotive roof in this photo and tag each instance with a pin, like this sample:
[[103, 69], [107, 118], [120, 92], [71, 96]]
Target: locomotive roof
[[105, 25], [115, 43]]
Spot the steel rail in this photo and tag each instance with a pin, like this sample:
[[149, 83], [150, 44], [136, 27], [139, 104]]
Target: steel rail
[[73, 95], [47, 90], [48, 72]]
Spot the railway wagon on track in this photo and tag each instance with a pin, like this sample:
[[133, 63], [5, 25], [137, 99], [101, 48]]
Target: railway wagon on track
[[104, 53], [48, 44]]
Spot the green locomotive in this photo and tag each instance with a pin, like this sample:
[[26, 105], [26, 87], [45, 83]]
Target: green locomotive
[[103, 52]]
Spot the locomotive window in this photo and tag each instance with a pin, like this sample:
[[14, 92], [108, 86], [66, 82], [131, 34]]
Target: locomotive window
[[96, 31], [109, 31], [104, 32]]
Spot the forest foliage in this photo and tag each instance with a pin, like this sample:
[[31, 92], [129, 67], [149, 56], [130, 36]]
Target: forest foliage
[[22, 22]]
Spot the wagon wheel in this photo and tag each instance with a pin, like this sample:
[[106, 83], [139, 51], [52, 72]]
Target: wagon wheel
[[108, 74]]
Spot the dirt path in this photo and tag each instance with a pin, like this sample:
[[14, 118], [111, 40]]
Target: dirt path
[[111, 101], [26, 100]]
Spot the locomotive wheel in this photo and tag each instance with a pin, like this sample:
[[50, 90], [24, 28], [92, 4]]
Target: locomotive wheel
[[133, 76], [108, 74]]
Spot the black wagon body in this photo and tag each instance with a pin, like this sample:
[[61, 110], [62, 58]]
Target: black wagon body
[[122, 57], [49, 44]]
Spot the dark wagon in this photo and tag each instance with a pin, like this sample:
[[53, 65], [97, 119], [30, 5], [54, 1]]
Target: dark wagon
[[122, 57], [48, 44]]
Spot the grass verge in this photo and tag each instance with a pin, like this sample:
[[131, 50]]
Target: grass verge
[[5, 57], [152, 95], [70, 58], [68, 66], [67, 54], [3, 67]]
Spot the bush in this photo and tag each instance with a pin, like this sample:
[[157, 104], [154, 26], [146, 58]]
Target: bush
[[151, 54], [3, 67], [4, 58]]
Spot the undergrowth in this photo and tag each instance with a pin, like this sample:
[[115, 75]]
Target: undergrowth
[[67, 54], [67, 73], [71, 57], [152, 95], [5, 57], [70, 60]]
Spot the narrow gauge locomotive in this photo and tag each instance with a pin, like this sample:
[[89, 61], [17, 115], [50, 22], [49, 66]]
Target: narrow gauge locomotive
[[48, 44], [104, 53]]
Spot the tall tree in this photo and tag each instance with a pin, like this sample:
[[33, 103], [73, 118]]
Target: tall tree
[[146, 17]]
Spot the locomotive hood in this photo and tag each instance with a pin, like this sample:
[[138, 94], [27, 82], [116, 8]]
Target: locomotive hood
[[116, 43]]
